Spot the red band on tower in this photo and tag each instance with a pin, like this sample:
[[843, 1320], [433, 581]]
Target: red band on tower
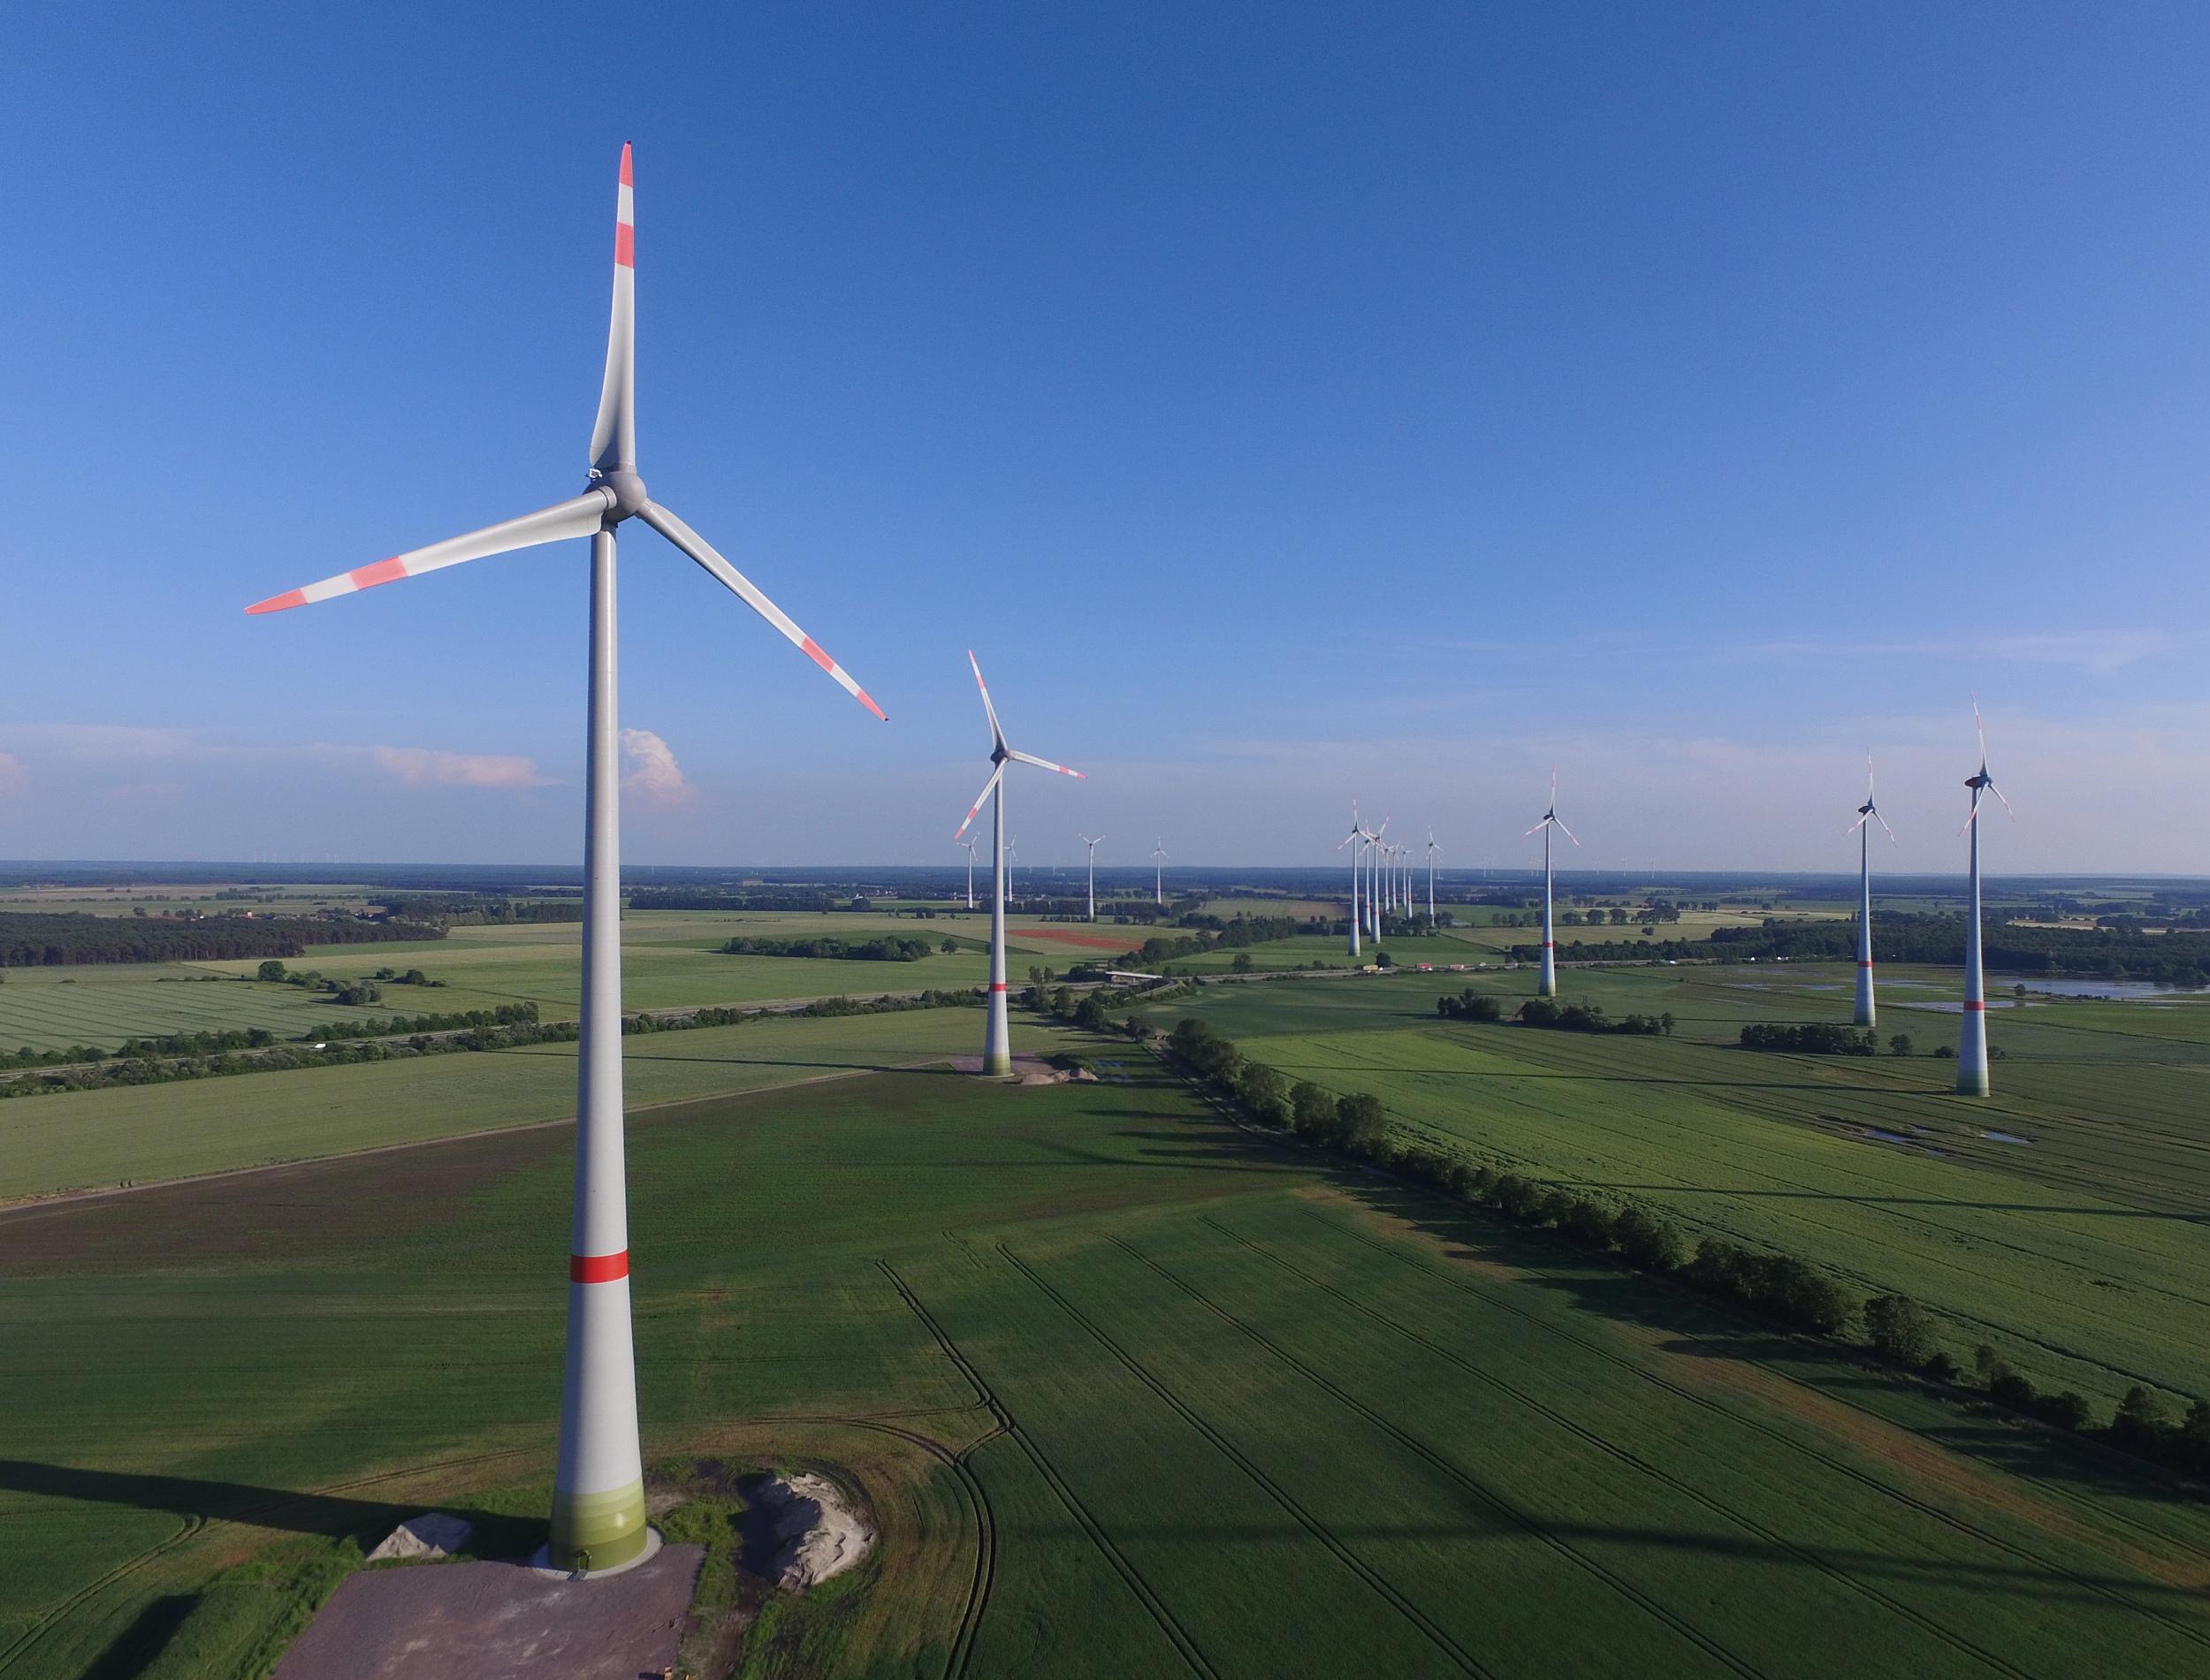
[[997, 985], [1974, 1003], [598, 1268]]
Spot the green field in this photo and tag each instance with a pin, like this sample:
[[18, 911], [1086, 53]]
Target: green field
[[671, 960], [1132, 1392], [2078, 1252]]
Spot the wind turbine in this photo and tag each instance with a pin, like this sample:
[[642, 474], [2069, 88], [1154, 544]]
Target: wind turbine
[[1012, 857], [1972, 1040], [970, 850], [997, 1044], [1093, 845], [1158, 871], [1868, 814], [1548, 988], [1356, 840], [1432, 849], [597, 1491]]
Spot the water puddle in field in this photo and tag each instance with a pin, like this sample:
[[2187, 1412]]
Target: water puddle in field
[[1880, 1134], [2005, 1138], [2107, 991]]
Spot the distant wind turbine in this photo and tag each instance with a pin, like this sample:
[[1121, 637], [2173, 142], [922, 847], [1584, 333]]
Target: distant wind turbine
[[970, 849], [1432, 849], [1356, 840], [1093, 845], [1158, 871], [1868, 814], [1548, 986], [997, 1043], [1972, 1041], [598, 1522], [1374, 851]]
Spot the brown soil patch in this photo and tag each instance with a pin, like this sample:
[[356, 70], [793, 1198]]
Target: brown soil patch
[[1063, 935]]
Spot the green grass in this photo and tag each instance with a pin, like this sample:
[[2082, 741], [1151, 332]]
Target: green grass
[[671, 960], [2079, 1254], [1131, 1392], [76, 1140]]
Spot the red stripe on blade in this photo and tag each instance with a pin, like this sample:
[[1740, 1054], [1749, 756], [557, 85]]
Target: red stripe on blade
[[598, 1268], [367, 577], [625, 181], [624, 246], [278, 603], [812, 650]]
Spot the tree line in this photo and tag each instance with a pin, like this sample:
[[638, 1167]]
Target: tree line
[[1785, 1288], [1811, 1038], [31, 940], [888, 947], [2181, 957]]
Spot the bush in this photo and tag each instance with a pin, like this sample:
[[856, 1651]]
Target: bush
[[1902, 1333], [1650, 1243], [1262, 1092], [1469, 1005], [1814, 1038], [1312, 1111], [1361, 1123], [2067, 1409], [1588, 1222], [2142, 1419], [2012, 1391]]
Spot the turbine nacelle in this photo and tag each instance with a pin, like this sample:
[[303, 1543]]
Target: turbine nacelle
[[627, 490]]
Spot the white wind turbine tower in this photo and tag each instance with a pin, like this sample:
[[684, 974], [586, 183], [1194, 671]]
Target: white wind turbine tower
[[1375, 848], [1548, 988], [1972, 1040], [1432, 849], [1356, 840], [1158, 871], [1012, 857], [997, 1043], [598, 1492], [1868, 814], [1093, 845], [970, 850]]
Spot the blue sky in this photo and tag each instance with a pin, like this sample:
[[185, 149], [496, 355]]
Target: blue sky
[[1289, 405]]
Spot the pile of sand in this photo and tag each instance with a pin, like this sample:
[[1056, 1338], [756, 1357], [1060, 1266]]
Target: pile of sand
[[432, 1535], [816, 1531]]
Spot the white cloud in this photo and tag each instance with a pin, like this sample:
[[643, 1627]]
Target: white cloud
[[652, 773], [429, 767]]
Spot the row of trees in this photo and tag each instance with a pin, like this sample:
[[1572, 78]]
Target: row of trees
[[1811, 1038], [2181, 957], [1785, 1288], [30, 940], [887, 947], [1589, 1017]]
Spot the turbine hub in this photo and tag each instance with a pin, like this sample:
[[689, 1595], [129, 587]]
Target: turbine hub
[[627, 488]]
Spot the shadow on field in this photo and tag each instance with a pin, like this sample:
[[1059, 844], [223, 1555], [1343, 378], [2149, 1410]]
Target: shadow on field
[[147, 1637], [333, 1515], [1755, 1362], [2183, 1217]]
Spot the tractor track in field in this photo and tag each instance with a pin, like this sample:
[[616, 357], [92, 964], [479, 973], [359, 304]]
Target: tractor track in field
[[1005, 1425], [1496, 1501], [1412, 1612], [1949, 1519], [1835, 1572], [986, 1519], [196, 1522]]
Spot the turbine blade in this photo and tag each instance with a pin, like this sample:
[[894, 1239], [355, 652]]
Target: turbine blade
[[579, 517], [1540, 827], [2007, 810], [1883, 822], [997, 771], [1568, 833], [663, 520], [1045, 764], [996, 733], [1859, 823], [613, 437], [1973, 819]]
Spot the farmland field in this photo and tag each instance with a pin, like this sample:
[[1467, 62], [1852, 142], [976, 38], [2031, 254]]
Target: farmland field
[[670, 959], [1131, 1392], [2059, 1220]]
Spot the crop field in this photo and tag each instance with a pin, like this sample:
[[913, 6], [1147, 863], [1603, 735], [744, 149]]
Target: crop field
[[2059, 1220], [74, 1140], [1131, 1391], [670, 959]]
